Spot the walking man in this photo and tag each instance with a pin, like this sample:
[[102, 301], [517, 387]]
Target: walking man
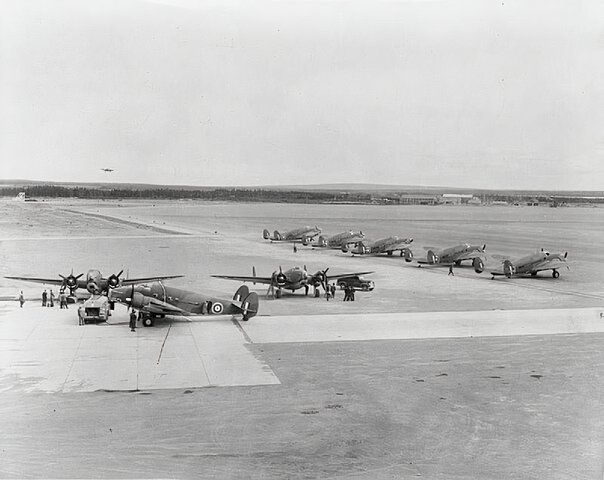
[[21, 299], [44, 297], [132, 321], [450, 270]]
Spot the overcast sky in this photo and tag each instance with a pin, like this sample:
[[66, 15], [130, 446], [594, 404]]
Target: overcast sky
[[490, 94]]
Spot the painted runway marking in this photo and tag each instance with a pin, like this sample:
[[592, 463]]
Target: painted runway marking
[[161, 350], [243, 332]]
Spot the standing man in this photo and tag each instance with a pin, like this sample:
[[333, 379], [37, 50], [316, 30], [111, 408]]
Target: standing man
[[62, 300], [52, 299], [333, 290], [352, 294], [450, 270], [21, 299], [295, 248], [346, 293], [132, 321], [44, 297]]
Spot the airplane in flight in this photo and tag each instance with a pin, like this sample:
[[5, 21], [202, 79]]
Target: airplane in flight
[[456, 255], [385, 245], [93, 282], [532, 264], [108, 170], [305, 235], [157, 300], [292, 279], [341, 239]]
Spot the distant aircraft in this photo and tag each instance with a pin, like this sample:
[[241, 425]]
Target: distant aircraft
[[94, 282], [341, 239], [305, 235], [532, 264], [292, 279], [385, 245], [157, 300], [456, 255], [107, 170]]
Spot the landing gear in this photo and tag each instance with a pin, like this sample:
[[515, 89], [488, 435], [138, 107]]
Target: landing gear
[[389, 252], [305, 289], [555, 273], [148, 320], [457, 263], [278, 293], [533, 274]]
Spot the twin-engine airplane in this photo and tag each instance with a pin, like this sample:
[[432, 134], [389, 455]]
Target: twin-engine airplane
[[157, 300], [532, 264], [94, 282], [292, 279], [340, 240], [456, 255], [385, 245], [305, 235]]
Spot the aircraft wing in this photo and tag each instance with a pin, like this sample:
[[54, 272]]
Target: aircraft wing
[[549, 265], [162, 308], [50, 281], [266, 280], [344, 275], [397, 246], [132, 281]]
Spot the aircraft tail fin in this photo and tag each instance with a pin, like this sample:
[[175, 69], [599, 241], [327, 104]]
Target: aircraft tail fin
[[266, 234], [241, 293], [249, 305]]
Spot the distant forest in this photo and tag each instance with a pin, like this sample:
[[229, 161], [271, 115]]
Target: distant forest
[[226, 194], [277, 195]]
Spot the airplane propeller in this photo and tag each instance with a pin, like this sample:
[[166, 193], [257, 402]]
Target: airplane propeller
[[114, 280], [71, 281]]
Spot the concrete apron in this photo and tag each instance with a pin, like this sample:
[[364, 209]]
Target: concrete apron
[[45, 350]]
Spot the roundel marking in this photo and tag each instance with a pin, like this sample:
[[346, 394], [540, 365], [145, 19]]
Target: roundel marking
[[217, 307]]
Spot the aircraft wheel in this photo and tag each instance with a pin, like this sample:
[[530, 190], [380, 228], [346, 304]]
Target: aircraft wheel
[[555, 273], [457, 263], [533, 274], [148, 321], [389, 253]]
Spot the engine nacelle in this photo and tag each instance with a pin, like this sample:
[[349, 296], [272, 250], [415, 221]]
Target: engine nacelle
[[508, 269], [321, 242], [277, 235], [93, 287], [139, 300], [345, 248], [431, 257], [281, 279], [266, 234], [113, 281], [306, 241], [478, 265], [407, 254]]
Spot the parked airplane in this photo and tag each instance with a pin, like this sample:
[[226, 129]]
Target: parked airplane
[[456, 255], [385, 245], [94, 282], [305, 235], [157, 300], [532, 264], [107, 170], [292, 279], [341, 239]]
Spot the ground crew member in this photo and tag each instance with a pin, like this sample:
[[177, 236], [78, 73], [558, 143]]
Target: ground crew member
[[327, 293], [62, 300], [450, 270], [295, 248], [333, 290], [317, 294], [132, 321], [44, 297], [346, 293], [21, 299], [52, 299], [352, 294]]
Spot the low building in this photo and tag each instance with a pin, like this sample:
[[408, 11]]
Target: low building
[[455, 198], [417, 199]]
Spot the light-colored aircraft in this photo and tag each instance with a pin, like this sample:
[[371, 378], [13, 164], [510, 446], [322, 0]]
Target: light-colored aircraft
[[456, 255], [292, 279], [304, 235], [532, 264], [94, 282], [341, 239], [157, 300], [385, 245], [107, 170]]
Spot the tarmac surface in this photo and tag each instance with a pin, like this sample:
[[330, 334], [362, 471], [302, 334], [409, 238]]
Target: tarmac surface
[[428, 375]]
